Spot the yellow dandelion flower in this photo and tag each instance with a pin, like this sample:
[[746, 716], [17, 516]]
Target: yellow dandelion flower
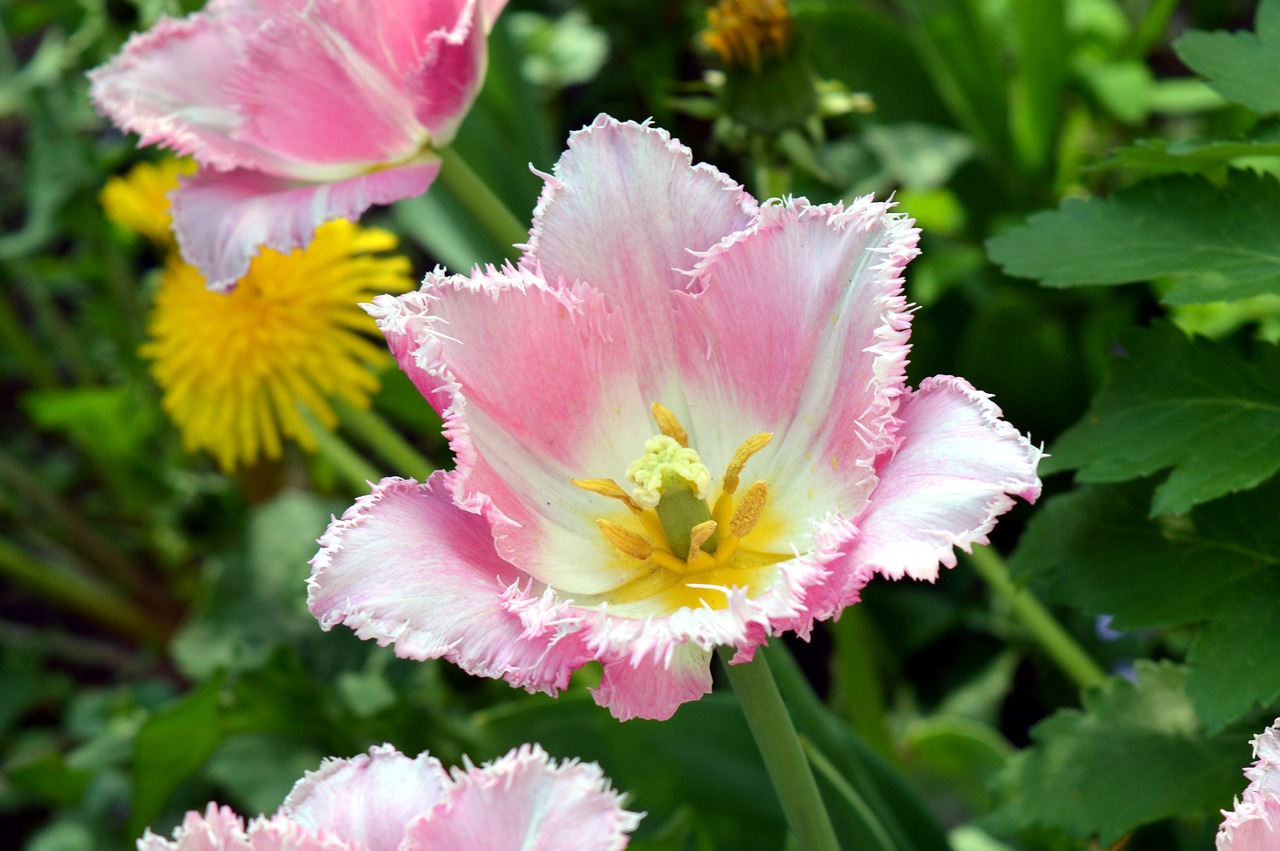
[[742, 32], [237, 370], [139, 201]]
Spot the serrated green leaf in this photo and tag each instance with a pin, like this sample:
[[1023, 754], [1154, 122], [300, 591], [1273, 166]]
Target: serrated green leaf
[[1218, 567], [1135, 755], [1242, 66], [1213, 243], [1195, 406], [1236, 650], [1189, 156]]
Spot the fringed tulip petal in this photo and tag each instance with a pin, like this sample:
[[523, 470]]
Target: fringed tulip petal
[[957, 468], [223, 830], [170, 85], [825, 354], [1254, 823], [683, 418], [384, 801], [525, 801], [369, 798], [529, 432], [297, 113], [406, 567], [626, 211], [223, 220], [651, 689]]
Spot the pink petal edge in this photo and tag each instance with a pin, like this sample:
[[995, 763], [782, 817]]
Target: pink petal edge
[[526, 800], [405, 566], [223, 219], [957, 468], [369, 798], [626, 211]]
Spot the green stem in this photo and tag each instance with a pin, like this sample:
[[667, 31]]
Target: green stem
[[80, 594], [887, 795], [1149, 29], [374, 431], [480, 200], [856, 690], [350, 466], [784, 757], [1065, 651], [845, 790]]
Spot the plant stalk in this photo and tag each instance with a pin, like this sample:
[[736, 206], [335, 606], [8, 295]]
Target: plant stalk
[[1036, 619], [481, 202], [783, 754], [376, 433]]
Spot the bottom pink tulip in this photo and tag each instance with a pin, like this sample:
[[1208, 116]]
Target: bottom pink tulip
[[1254, 823], [386, 801]]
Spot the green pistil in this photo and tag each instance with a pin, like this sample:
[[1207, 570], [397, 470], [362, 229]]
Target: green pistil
[[680, 510]]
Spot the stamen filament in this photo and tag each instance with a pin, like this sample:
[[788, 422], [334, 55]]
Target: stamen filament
[[627, 541], [724, 552], [653, 526], [670, 562]]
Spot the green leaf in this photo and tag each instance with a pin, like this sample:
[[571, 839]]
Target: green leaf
[[962, 51], [1213, 243], [252, 599], [1190, 156], [1135, 755], [1242, 66], [1218, 567], [1196, 406], [1036, 101], [170, 747], [50, 778]]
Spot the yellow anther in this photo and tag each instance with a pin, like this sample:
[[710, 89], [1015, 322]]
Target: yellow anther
[[698, 536], [668, 424], [750, 507], [741, 455], [609, 488], [629, 542]]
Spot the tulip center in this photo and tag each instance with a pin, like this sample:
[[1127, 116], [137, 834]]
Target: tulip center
[[674, 528]]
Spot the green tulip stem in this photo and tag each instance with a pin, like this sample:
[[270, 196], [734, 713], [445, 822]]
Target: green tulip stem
[[352, 468], [784, 757], [371, 429], [1037, 620], [481, 202]]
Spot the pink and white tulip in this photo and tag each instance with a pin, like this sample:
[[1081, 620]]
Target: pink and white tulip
[[774, 340], [385, 801], [1254, 823], [297, 111]]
